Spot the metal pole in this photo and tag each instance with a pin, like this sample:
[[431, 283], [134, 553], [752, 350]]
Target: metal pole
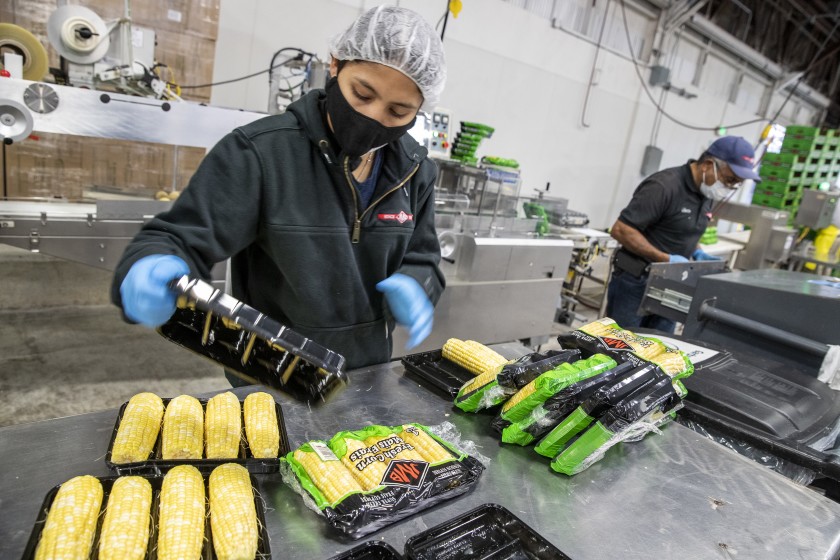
[[773, 334], [5, 175]]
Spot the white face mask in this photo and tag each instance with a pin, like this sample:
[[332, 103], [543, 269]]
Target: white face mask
[[715, 191]]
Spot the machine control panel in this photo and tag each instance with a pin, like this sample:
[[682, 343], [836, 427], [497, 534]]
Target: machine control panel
[[440, 138]]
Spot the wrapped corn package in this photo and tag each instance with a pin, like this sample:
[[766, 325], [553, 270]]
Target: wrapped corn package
[[598, 404], [557, 407], [632, 418], [604, 336], [363, 480], [502, 381], [520, 405]]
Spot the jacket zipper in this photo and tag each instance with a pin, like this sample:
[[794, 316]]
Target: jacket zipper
[[357, 225]]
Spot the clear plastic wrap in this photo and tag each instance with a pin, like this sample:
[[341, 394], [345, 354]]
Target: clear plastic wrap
[[604, 336], [629, 420], [363, 480], [788, 469]]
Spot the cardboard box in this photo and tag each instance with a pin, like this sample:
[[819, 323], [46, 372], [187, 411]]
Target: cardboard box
[[61, 166]]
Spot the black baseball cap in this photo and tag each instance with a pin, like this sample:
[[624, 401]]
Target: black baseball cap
[[738, 154]]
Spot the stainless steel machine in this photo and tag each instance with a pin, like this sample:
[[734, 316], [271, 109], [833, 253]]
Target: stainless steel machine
[[96, 232], [769, 240], [503, 278]]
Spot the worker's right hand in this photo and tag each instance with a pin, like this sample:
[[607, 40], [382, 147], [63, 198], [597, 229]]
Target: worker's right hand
[[146, 296], [677, 259]]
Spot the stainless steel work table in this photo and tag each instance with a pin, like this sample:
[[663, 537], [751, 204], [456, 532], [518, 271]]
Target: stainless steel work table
[[671, 496]]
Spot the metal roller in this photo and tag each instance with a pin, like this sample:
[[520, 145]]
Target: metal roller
[[78, 34], [15, 121]]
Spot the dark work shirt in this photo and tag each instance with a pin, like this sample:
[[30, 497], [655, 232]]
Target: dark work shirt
[[669, 210], [367, 186]]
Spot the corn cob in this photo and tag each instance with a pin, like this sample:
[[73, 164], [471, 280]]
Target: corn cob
[[370, 476], [233, 517], [223, 426], [182, 511], [71, 522], [472, 356], [138, 429], [525, 391], [125, 530], [183, 429], [479, 381], [426, 446], [331, 477], [261, 426]]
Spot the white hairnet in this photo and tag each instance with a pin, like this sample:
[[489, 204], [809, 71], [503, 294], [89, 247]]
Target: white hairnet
[[399, 38]]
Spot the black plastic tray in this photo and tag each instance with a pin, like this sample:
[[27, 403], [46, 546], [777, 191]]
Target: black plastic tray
[[156, 465], [371, 550], [489, 532], [306, 376], [250, 344], [263, 547], [437, 373]]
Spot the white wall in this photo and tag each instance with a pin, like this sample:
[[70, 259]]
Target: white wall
[[507, 68]]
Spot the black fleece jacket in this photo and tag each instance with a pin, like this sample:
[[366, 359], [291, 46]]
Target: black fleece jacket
[[276, 198]]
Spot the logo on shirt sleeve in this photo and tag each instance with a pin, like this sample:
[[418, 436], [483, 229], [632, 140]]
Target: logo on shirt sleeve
[[402, 217]]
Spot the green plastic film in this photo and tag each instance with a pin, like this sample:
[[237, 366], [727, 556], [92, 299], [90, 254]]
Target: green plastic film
[[557, 438], [572, 459], [553, 381]]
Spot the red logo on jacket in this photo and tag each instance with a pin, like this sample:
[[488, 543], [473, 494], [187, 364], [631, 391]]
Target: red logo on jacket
[[402, 217]]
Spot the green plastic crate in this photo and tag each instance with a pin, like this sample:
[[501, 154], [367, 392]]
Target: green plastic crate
[[778, 189], [776, 173], [778, 160], [776, 202], [798, 131]]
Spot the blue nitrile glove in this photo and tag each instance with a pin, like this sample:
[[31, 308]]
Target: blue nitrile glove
[[701, 255], [146, 296], [676, 259], [409, 305]]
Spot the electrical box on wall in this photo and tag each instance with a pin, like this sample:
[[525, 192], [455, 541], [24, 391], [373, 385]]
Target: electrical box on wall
[[651, 160], [660, 76]]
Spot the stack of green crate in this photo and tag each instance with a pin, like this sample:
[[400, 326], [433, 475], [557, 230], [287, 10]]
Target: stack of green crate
[[467, 141], [809, 157], [710, 236]]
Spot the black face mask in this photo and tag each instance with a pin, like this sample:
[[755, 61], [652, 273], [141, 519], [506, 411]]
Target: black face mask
[[356, 133]]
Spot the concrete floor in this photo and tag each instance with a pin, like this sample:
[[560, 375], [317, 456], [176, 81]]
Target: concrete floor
[[65, 350]]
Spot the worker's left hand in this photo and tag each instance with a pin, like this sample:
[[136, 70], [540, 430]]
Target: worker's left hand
[[409, 305], [701, 255]]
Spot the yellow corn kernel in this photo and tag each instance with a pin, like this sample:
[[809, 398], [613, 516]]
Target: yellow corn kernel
[[139, 428], [370, 476], [125, 530], [472, 356], [223, 426], [182, 511], [261, 425], [233, 516], [331, 477], [431, 451], [183, 429], [525, 391], [71, 522], [479, 381]]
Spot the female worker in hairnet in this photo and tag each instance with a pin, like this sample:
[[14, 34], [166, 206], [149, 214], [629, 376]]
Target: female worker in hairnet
[[326, 210]]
